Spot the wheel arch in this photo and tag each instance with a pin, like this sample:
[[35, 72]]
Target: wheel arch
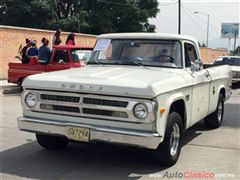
[[179, 106], [20, 80], [223, 92]]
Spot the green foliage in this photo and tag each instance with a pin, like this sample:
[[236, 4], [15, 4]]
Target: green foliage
[[27, 13], [86, 16], [237, 51], [201, 45]]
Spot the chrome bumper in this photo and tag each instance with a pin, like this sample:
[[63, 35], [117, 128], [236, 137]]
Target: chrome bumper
[[135, 138]]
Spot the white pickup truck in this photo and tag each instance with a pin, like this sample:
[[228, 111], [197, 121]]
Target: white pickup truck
[[140, 89]]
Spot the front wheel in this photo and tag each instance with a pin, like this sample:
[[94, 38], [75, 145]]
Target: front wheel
[[215, 119], [169, 150], [52, 142]]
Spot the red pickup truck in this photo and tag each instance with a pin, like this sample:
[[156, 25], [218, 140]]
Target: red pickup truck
[[62, 57]]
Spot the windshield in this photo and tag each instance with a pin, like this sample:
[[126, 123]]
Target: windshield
[[166, 53], [78, 54], [232, 61]]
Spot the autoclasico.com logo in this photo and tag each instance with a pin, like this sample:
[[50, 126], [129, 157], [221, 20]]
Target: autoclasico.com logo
[[190, 175]]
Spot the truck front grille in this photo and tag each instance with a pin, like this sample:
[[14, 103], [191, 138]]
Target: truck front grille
[[105, 112], [104, 102], [51, 97], [235, 74], [90, 106], [51, 107]]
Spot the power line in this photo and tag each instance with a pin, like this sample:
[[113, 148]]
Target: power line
[[199, 26], [189, 15], [115, 3], [214, 27], [167, 4]]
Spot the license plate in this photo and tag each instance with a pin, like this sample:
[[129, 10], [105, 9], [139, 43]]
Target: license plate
[[78, 134]]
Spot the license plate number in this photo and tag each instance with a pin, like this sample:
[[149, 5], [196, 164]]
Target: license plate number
[[78, 134]]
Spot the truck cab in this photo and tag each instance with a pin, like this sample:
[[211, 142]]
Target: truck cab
[[62, 57]]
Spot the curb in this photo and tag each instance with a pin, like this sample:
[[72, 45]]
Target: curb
[[10, 89]]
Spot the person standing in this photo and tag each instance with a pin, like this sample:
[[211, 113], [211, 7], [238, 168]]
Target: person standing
[[70, 39], [57, 39], [44, 52], [25, 59]]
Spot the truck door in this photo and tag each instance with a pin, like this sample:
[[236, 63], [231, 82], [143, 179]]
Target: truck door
[[201, 85], [60, 60]]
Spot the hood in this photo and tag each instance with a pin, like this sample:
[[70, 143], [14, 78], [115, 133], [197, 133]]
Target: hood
[[235, 68], [133, 81]]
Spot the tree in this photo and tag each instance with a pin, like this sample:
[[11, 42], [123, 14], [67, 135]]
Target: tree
[[68, 15], [237, 51], [121, 16], [43, 13], [204, 45], [86, 16], [201, 45], [26, 13]]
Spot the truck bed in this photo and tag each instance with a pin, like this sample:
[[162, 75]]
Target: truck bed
[[30, 67], [18, 71]]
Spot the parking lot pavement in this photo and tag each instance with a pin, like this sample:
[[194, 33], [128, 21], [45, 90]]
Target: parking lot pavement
[[204, 151]]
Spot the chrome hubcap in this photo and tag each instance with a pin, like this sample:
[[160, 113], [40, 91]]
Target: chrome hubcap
[[174, 140], [220, 109]]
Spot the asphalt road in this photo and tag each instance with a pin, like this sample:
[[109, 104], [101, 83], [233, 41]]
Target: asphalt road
[[204, 151]]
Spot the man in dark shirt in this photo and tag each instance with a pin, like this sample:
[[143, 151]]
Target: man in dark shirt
[[25, 59]]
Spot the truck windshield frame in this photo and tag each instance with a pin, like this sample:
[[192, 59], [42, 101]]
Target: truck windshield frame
[[142, 52]]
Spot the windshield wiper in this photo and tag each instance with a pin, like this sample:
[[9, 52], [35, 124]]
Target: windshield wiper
[[95, 62], [126, 62], [116, 62]]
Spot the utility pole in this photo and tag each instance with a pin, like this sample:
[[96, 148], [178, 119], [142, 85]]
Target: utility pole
[[235, 38], [207, 28], [179, 16], [229, 43]]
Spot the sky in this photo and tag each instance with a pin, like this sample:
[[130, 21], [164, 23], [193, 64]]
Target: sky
[[220, 11]]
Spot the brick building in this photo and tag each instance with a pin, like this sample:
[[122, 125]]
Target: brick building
[[209, 54], [11, 38]]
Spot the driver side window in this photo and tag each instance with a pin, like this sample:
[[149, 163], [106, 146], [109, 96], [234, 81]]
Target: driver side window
[[190, 54]]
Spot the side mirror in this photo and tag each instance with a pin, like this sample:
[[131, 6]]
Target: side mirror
[[197, 65]]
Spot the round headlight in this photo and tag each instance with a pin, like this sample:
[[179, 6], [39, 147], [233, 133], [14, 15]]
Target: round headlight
[[30, 100], [140, 111]]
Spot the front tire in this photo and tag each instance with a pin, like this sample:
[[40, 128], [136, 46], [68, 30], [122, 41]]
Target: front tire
[[169, 150], [215, 119], [52, 142]]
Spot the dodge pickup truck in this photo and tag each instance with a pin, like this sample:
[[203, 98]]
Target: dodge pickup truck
[[138, 89], [62, 57]]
